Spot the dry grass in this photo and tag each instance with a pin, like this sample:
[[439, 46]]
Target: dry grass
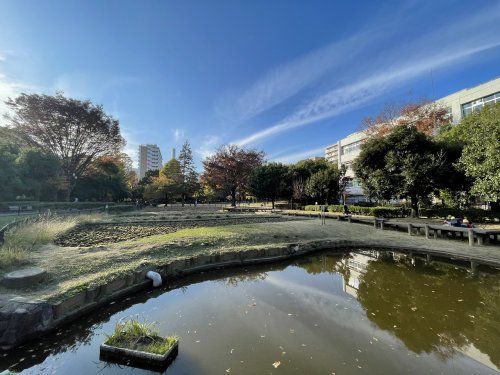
[[22, 241]]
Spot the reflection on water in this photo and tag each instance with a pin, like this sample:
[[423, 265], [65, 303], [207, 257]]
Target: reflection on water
[[432, 309], [366, 312]]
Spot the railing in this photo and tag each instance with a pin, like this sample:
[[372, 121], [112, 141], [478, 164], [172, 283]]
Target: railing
[[474, 235]]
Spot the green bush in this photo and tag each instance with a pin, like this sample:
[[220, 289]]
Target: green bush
[[472, 214], [312, 207], [378, 211], [391, 211], [287, 206]]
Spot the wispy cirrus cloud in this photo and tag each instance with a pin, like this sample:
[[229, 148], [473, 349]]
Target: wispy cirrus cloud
[[397, 66], [208, 146], [292, 158], [178, 134], [285, 81]]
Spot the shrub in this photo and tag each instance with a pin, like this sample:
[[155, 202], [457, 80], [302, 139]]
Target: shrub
[[312, 207], [378, 211], [287, 206]]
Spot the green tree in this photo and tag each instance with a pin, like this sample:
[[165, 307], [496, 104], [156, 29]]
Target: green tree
[[455, 185], [300, 173], [324, 184], [162, 189], [9, 179], [77, 132], [139, 189], [480, 135], [149, 176], [189, 184], [104, 180], [167, 186], [306, 168], [404, 164], [38, 172], [269, 181]]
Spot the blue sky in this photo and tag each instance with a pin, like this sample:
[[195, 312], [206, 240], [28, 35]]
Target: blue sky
[[287, 77]]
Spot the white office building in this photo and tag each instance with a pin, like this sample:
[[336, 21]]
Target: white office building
[[149, 159], [459, 105]]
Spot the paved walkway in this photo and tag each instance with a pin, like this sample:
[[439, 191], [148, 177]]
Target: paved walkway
[[352, 234]]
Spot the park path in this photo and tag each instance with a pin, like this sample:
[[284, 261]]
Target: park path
[[355, 234]]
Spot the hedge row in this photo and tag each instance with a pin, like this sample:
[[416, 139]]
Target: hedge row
[[472, 214], [368, 211]]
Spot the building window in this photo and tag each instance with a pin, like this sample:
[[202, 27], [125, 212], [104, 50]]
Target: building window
[[476, 105], [351, 148]]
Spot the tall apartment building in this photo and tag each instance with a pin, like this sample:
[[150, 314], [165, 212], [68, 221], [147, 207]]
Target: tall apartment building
[[149, 159], [459, 104]]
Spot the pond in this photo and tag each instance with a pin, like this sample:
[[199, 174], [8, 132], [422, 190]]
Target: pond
[[358, 313]]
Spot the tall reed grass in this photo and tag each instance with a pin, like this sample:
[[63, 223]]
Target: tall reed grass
[[22, 240]]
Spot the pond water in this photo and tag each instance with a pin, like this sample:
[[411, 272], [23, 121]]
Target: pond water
[[359, 313]]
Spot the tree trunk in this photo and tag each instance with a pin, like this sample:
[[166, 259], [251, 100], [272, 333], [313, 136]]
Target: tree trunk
[[233, 197], [414, 206], [495, 206]]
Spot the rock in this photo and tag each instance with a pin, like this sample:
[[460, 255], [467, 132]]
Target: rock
[[24, 278], [21, 318]]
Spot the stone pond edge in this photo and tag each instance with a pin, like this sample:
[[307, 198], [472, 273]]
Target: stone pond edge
[[22, 320]]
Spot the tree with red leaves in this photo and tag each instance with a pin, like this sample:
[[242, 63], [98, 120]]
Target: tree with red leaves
[[229, 168], [427, 117]]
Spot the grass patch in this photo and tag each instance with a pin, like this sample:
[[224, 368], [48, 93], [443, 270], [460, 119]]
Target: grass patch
[[200, 234], [21, 241], [141, 336]]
